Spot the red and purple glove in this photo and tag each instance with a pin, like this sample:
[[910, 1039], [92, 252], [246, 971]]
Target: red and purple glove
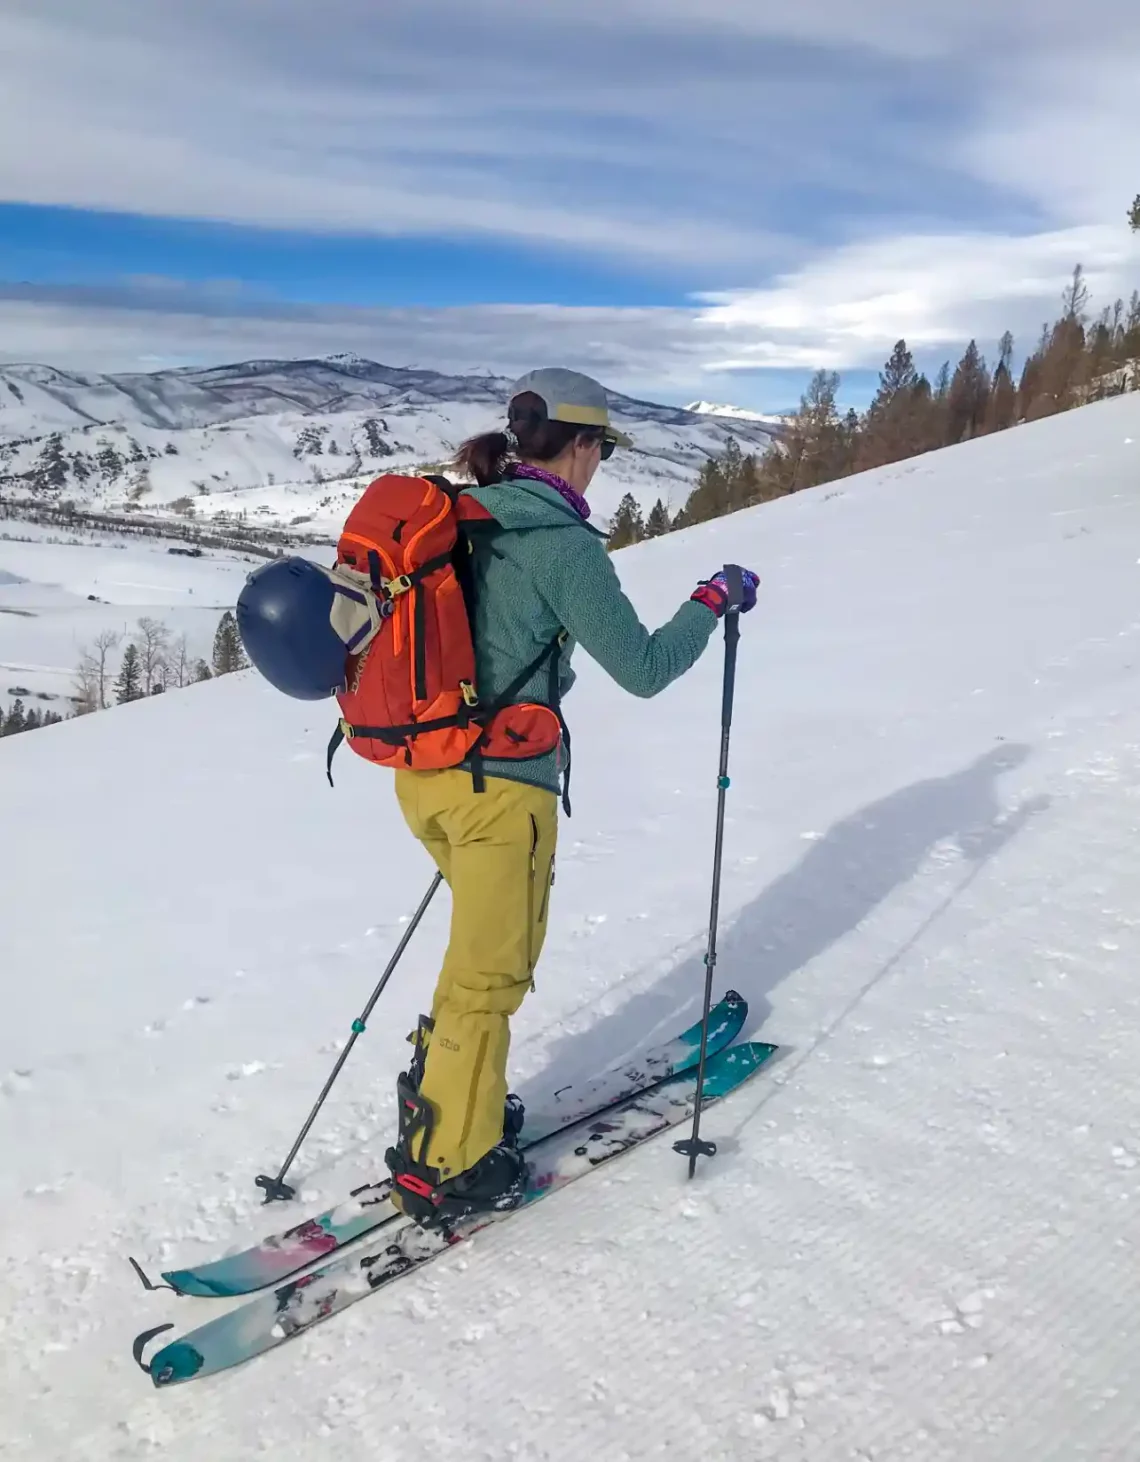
[[713, 593]]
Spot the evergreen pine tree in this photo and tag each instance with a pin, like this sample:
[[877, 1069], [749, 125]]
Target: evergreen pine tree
[[13, 723], [1134, 215], [819, 440], [900, 421], [628, 525], [1098, 366], [228, 653], [1002, 410], [897, 375], [1061, 369], [109, 462], [710, 497], [732, 470], [969, 396], [1030, 384], [724, 484], [777, 472], [50, 471], [32, 720], [202, 672], [1132, 319], [128, 687], [658, 521]]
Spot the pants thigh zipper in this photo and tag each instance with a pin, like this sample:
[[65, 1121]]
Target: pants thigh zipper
[[531, 879]]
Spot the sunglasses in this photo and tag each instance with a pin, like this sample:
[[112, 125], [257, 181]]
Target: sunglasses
[[607, 448]]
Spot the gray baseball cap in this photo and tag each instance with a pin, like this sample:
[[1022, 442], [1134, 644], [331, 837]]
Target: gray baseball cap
[[571, 397]]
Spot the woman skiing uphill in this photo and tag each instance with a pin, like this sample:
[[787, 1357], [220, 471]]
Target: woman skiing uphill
[[543, 582]]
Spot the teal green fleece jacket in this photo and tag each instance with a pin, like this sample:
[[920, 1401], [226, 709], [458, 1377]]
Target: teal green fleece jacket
[[549, 571]]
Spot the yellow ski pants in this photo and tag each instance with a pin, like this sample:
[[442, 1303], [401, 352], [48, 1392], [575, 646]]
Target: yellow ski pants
[[495, 849]]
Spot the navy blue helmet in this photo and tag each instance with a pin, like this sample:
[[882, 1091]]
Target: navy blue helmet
[[284, 616]]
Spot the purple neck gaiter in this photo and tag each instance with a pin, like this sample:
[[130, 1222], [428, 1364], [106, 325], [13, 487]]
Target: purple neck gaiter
[[561, 487]]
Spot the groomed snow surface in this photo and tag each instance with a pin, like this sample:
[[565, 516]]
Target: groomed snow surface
[[919, 1238]]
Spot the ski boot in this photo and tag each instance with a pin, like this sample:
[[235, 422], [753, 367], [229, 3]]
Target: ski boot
[[495, 1183]]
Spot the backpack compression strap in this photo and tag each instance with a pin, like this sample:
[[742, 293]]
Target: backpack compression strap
[[469, 712]]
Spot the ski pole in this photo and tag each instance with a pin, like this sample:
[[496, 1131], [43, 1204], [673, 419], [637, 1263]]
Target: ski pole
[[276, 1188], [694, 1146]]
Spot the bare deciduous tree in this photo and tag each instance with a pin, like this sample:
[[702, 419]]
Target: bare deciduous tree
[[93, 677], [154, 645], [179, 665], [85, 695]]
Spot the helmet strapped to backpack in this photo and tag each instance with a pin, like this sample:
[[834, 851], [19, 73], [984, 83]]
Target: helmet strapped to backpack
[[397, 611], [285, 615]]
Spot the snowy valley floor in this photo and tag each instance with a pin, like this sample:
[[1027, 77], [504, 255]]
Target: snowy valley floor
[[919, 1238]]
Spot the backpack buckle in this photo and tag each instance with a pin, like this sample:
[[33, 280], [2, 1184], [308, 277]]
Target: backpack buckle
[[399, 585], [469, 693], [346, 730]]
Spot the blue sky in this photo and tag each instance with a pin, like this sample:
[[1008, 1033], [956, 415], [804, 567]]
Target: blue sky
[[52, 245], [691, 197]]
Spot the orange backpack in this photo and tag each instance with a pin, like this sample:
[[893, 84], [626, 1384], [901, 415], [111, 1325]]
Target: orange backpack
[[412, 699]]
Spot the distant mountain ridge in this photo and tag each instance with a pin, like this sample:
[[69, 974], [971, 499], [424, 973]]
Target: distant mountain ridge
[[737, 413], [245, 437]]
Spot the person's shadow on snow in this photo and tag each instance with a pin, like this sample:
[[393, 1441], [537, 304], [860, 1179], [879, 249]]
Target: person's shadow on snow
[[838, 882]]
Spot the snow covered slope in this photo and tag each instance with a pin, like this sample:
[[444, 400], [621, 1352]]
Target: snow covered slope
[[271, 436], [918, 1240]]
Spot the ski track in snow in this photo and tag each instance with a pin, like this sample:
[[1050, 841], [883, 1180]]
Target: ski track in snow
[[918, 1239]]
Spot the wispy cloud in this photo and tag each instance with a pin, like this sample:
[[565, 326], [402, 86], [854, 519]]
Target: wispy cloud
[[641, 351], [823, 177], [848, 307]]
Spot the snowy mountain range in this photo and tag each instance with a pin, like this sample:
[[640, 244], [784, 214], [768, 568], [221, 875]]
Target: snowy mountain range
[[282, 440]]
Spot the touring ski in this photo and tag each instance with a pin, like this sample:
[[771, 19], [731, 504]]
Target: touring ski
[[267, 1321], [368, 1208]]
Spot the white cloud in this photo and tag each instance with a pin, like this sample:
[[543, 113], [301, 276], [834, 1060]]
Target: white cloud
[[843, 310], [667, 131], [648, 352], [959, 158], [848, 307], [1059, 126], [349, 129]]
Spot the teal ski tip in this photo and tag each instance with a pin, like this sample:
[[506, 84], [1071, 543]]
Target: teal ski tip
[[730, 1067]]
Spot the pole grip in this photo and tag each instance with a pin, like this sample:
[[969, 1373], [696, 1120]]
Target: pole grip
[[734, 580]]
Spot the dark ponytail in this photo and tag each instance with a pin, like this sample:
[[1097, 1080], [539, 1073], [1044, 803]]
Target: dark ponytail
[[487, 458], [484, 457]]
